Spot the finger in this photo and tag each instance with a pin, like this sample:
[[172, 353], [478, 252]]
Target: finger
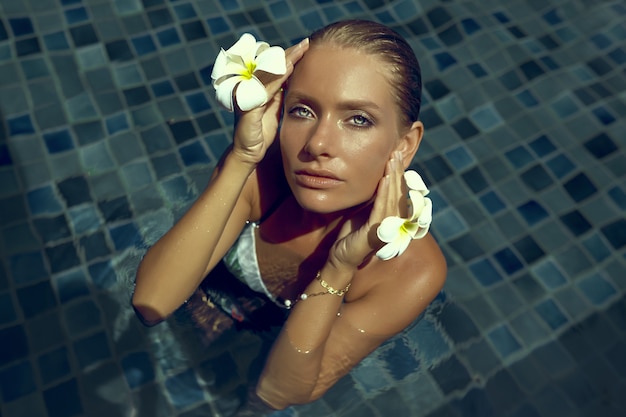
[[292, 56], [394, 185], [379, 209]]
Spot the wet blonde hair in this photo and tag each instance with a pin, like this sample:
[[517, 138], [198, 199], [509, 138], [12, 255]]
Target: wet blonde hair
[[377, 39]]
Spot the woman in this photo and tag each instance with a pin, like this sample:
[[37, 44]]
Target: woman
[[309, 204]]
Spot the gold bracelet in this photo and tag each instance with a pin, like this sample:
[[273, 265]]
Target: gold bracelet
[[331, 290]]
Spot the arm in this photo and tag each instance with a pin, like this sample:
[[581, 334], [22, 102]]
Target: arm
[[317, 346], [174, 267]]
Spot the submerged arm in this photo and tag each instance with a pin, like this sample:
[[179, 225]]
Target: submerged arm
[[318, 346]]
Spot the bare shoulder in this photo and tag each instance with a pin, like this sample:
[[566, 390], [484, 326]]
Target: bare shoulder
[[393, 293]]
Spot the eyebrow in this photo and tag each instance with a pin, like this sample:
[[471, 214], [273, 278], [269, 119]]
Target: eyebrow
[[348, 104]]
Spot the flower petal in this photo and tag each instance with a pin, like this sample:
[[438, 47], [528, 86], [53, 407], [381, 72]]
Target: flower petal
[[245, 47], [417, 204], [389, 228], [415, 182], [393, 249], [219, 65], [224, 91], [272, 60], [260, 47], [426, 216], [250, 94]]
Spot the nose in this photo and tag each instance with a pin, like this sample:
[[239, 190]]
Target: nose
[[319, 142]]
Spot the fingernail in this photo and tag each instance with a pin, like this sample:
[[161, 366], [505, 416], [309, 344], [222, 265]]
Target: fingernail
[[304, 42]]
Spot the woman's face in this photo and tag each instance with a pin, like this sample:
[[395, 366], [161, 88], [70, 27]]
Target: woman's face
[[339, 128]]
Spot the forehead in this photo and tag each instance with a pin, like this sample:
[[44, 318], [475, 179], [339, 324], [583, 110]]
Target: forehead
[[343, 72]]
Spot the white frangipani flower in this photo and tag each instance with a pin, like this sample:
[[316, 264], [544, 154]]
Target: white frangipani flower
[[238, 65], [398, 232]]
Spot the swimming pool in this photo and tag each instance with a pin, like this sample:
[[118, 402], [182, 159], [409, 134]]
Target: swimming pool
[[109, 128]]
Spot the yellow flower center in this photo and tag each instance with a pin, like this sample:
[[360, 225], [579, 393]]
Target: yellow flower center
[[249, 71]]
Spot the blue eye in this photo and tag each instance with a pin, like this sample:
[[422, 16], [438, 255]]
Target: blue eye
[[361, 121], [301, 112]]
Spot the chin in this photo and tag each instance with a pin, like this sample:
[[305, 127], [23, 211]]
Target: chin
[[319, 202]]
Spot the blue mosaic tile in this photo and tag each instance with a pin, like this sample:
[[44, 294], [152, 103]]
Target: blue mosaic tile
[[125, 236], [21, 26], [486, 118], [56, 41], [92, 349], [17, 349], [615, 233], [162, 88], [194, 153], [193, 31], [457, 324], [197, 102], [45, 331], [51, 229], [117, 123], [17, 381], [551, 314], [35, 68], [94, 246], [542, 146], [560, 165], [71, 285], [485, 272], [576, 222], [184, 389], [63, 400], [597, 289], [601, 146], [168, 37], [580, 187], [137, 175], [59, 141], [62, 256], [430, 341], [144, 44], [618, 195], [185, 11], [536, 178], [8, 313], [20, 125], [550, 274], [102, 274], [138, 369], [533, 212], [519, 156], [3, 32], [76, 15], [43, 201], [54, 365], [604, 116], [508, 261], [367, 376], [467, 247], [400, 361], [450, 375], [36, 299], [527, 98], [27, 267], [492, 203], [450, 224], [597, 248]]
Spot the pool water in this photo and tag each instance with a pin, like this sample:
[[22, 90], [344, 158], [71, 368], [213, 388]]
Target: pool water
[[109, 129]]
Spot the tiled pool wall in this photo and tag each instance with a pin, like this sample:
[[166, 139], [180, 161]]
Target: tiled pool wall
[[109, 129]]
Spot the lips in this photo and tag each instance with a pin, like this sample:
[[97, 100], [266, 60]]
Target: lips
[[317, 179]]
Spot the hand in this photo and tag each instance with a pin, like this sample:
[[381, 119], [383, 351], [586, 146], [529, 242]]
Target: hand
[[255, 130], [357, 240]]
